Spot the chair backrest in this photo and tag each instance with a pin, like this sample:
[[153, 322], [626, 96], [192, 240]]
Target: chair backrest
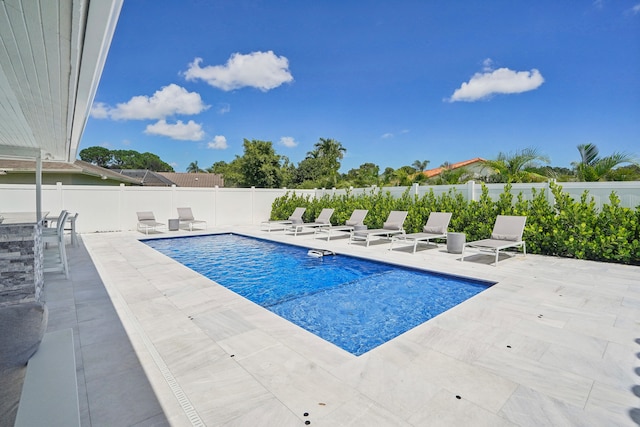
[[357, 217], [297, 214], [325, 216], [509, 227], [395, 220], [71, 219], [437, 223], [185, 214], [62, 218], [145, 216]]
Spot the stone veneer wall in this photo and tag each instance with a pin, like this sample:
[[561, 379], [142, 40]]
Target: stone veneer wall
[[21, 259]]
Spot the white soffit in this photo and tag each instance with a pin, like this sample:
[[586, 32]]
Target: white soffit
[[52, 53]]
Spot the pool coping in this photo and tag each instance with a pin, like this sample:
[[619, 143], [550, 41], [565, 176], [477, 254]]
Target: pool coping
[[396, 383]]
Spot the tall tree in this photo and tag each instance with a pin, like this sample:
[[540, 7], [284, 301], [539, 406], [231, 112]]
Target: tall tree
[[310, 173], [260, 165], [124, 159], [511, 167], [99, 156], [330, 152], [594, 168], [229, 171], [152, 162], [366, 175]]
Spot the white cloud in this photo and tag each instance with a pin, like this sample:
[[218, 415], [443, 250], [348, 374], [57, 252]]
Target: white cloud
[[635, 9], [190, 131], [262, 70], [168, 101], [500, 81], [224, 108], [288, 141], [100, 110], [219, 143], [387, 135]]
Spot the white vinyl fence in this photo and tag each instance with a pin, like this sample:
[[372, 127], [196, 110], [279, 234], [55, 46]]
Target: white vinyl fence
[[113, 208], [627, 192]]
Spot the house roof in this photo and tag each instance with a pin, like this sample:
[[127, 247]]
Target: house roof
[[147, 177], [437, 171], [53, 53], [194, 179], [77, 167], [179, 179]]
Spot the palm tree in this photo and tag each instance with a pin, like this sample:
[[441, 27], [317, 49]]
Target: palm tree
[[330, 152], [420, 165], [194, 168], [593, 168], [511, 167]]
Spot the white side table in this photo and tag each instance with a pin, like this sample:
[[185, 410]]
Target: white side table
[[455, 242]]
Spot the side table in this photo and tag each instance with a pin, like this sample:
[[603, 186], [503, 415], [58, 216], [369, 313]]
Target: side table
[[174, 224], [455, 242]]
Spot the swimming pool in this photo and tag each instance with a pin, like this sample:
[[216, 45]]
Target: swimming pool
[[353, 303]]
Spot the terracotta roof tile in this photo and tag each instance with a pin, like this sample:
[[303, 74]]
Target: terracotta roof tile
[[437, 171]]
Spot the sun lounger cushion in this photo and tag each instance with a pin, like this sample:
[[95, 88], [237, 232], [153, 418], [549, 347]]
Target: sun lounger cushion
[[434, 230], [391, 226], [510, 237]]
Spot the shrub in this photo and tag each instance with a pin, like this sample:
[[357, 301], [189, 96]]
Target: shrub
[[567, 227]]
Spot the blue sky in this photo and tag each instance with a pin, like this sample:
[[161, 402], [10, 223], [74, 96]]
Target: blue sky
[[393, 81]]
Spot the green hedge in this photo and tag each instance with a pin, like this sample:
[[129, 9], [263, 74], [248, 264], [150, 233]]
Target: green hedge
[[567, 228]]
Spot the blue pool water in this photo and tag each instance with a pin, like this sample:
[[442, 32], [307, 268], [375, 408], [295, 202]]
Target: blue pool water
[[353, 303]]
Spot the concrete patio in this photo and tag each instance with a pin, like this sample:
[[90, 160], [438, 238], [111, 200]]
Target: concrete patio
[[554, 342]]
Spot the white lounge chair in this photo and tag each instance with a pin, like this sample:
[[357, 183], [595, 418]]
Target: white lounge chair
[[185, 216], [435, 228], [294, 218], [392, 226], [323, 220], [147, 221], [355, 220], [507, 233]]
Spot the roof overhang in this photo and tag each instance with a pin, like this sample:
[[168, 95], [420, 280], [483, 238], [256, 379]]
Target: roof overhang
[[52, 53]]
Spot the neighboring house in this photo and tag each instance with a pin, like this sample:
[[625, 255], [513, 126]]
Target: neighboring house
[[179, 179], [194, 179], [76, 173], [147, 177], [475, 167]]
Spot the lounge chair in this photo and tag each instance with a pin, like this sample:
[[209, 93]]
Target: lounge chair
[[323, 220], [147, 221], [392, 226], [435, 228], [185, 216], [507, 233], [355, 221], [294, 218]]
